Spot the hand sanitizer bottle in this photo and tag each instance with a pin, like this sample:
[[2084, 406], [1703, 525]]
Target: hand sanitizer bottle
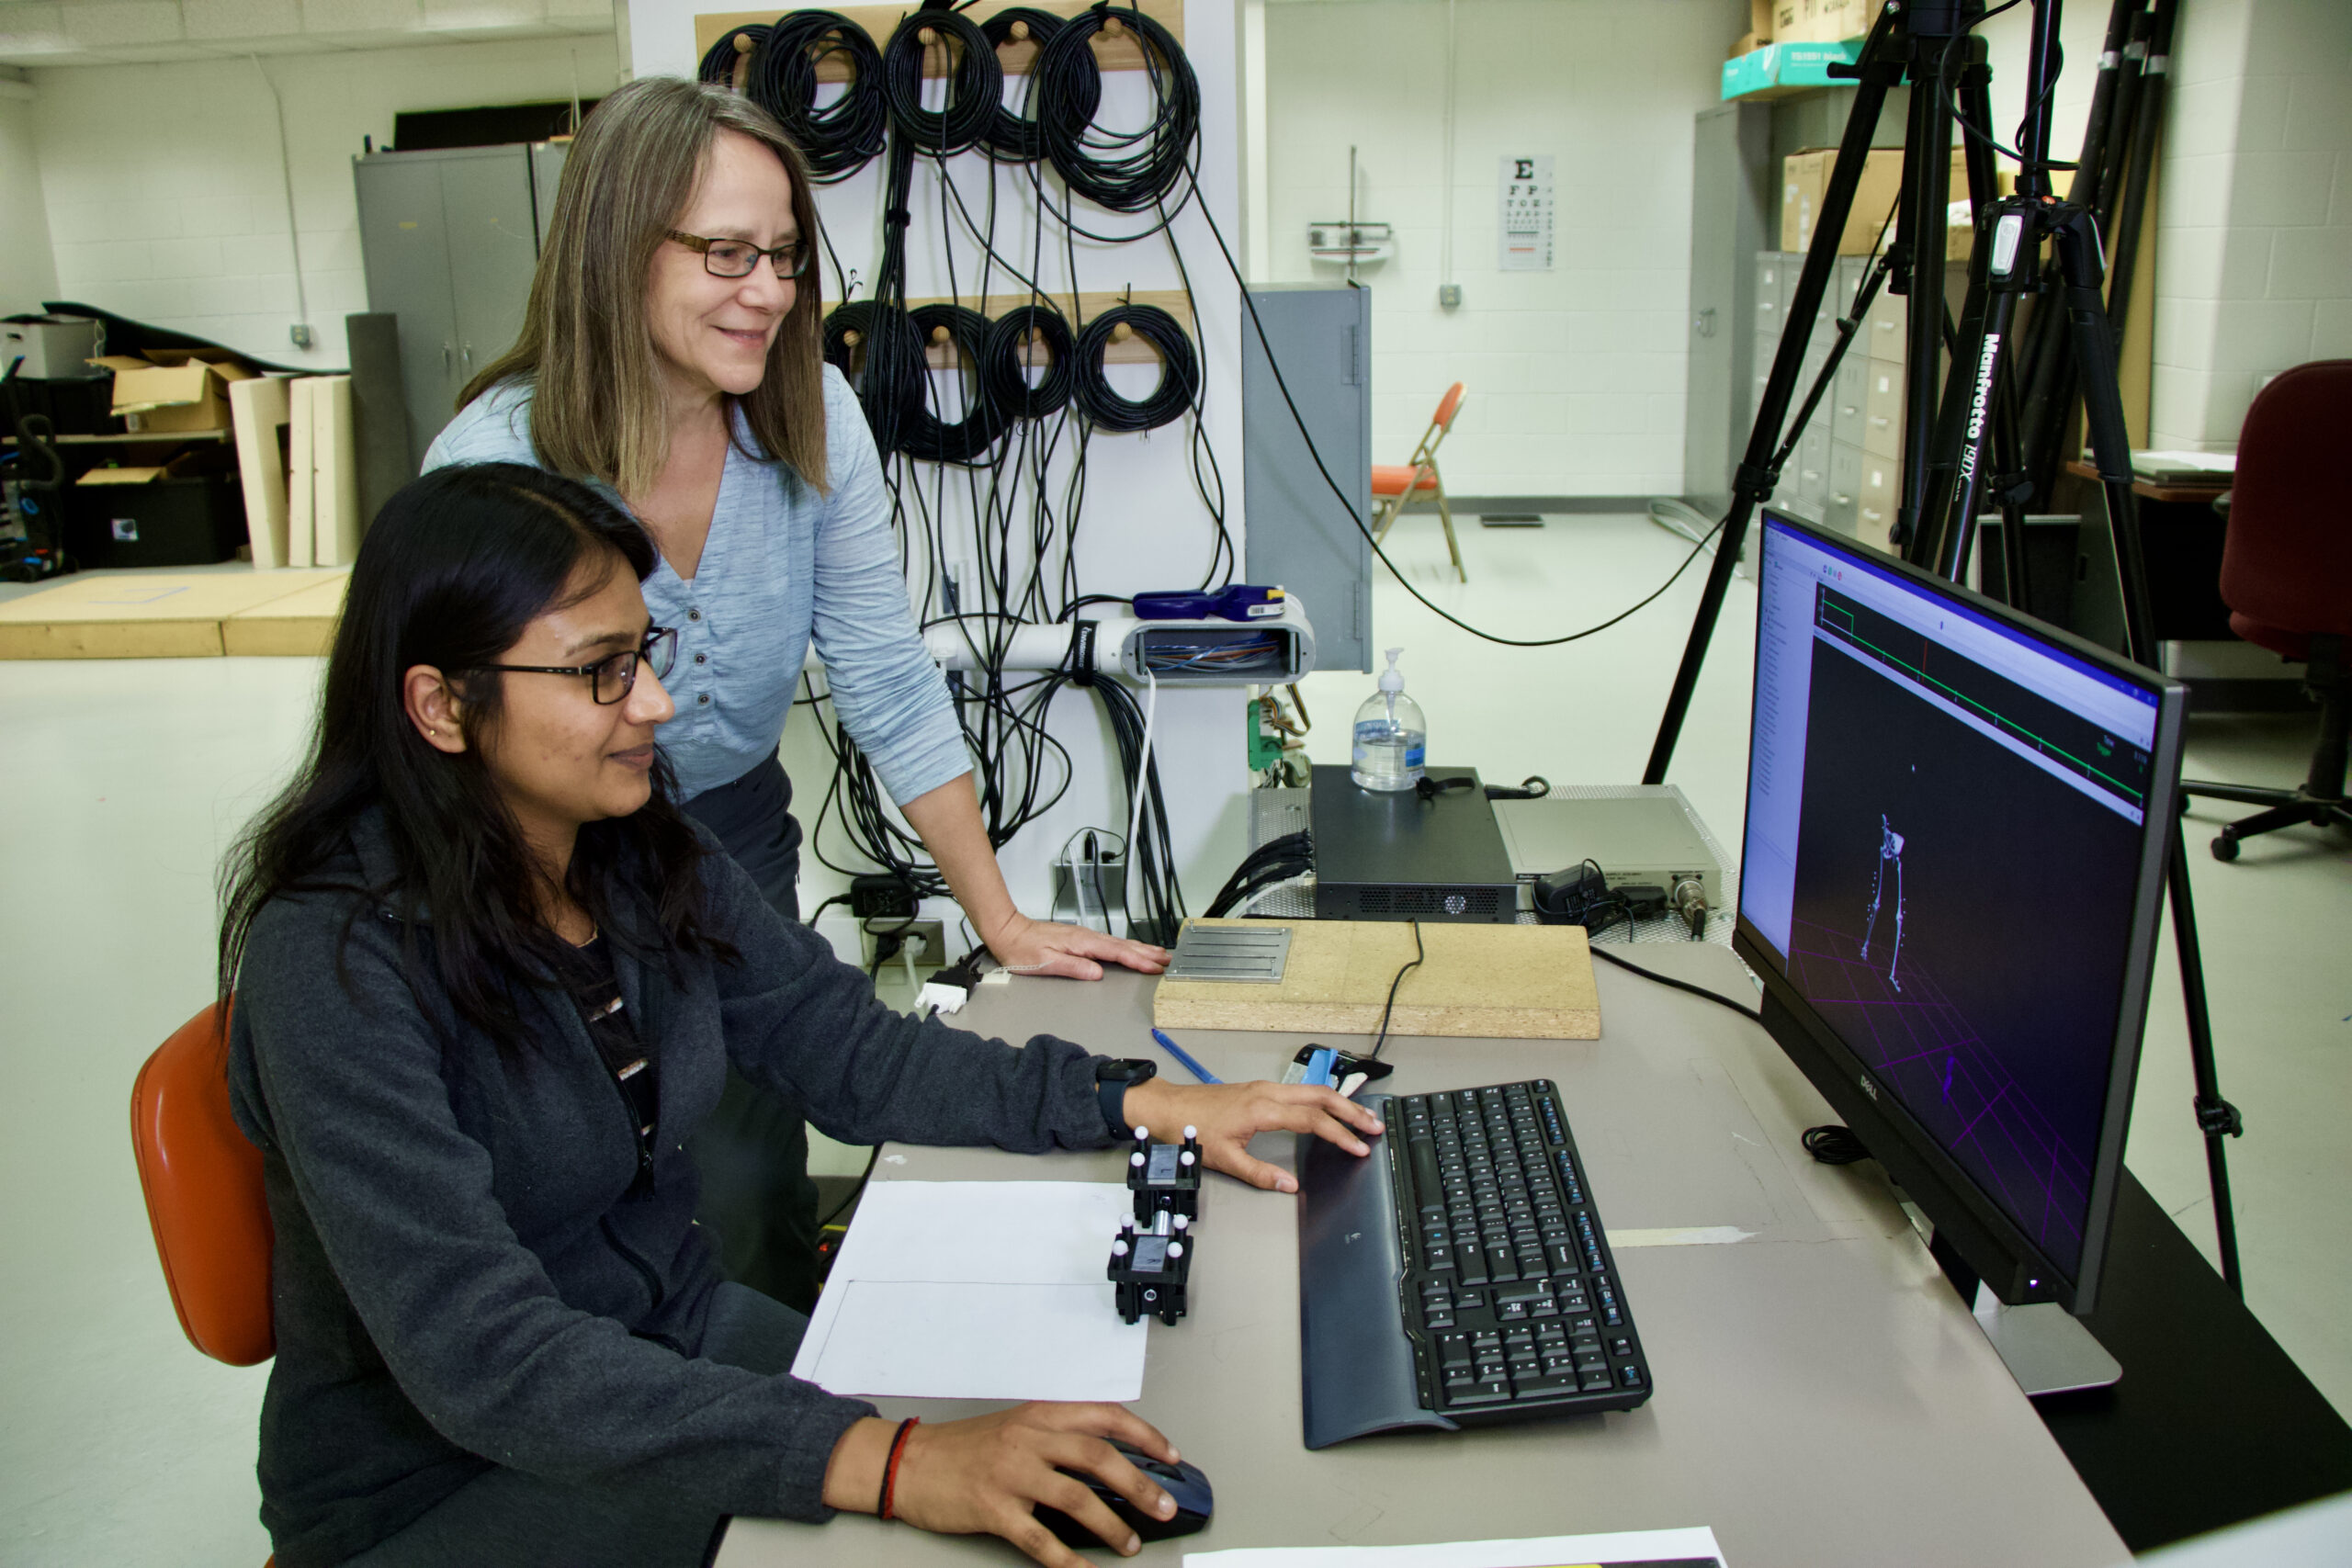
[[1390, 734]]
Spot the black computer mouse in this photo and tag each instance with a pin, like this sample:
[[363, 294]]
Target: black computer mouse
[[1194, 1502]]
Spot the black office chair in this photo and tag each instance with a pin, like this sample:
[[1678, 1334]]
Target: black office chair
[[2287, 577]]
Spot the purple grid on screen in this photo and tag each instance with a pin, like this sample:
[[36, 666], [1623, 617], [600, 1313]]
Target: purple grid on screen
[[1920, 1045]]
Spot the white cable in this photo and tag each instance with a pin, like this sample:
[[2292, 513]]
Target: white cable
[[1136, 789]]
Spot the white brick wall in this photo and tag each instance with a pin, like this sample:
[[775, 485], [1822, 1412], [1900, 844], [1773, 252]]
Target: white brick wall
[[1575, 376], [28, 270], [163, 191], [2254, 215]]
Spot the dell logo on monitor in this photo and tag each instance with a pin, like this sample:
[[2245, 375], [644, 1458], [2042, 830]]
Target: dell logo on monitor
[[1869, 1087]]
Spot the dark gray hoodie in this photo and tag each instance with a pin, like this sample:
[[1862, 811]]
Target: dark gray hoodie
[[468, 1274]]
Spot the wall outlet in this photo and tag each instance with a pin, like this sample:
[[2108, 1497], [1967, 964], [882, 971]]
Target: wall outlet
[[927, 939], [302, 335], [1449, 295]]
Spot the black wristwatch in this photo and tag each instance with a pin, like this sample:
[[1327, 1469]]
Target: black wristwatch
[[1113, 1076]]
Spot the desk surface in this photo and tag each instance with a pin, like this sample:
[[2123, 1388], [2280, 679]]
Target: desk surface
[[1822, 1395]]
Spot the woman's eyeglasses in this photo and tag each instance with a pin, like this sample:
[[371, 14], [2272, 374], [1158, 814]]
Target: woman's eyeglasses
[[736, 258], [610, 679]]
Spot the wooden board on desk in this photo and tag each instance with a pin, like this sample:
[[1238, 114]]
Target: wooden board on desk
[[1474, 982], [299, 626], [1110, 54], [140, 614]]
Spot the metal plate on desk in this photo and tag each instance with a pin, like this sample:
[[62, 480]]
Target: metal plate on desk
[[1226, 953]]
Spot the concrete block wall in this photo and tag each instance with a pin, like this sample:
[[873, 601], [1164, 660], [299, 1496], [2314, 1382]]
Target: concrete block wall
[[165, 198], [1575, 376], [2255, 226]]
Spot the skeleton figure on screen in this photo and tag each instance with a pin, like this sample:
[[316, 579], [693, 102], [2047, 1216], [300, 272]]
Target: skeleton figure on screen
[[1890, 851]]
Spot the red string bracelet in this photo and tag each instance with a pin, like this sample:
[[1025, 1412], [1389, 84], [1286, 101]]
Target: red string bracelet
[[890, 1470]]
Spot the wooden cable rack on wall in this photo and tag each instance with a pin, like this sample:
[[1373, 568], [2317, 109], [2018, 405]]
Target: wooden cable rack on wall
[[1114, 50]]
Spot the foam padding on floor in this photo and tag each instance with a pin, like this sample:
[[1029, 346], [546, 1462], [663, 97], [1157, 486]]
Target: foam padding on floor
[[145, 616], [301, 624]]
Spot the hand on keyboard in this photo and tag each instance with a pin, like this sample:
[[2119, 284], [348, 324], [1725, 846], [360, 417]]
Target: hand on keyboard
[[1230, 1116]]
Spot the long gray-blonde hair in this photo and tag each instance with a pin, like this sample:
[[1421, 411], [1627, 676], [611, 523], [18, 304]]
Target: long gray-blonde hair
[[587, 343]]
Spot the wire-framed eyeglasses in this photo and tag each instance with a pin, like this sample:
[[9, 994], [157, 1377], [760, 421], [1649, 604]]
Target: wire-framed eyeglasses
[[610, 679], [736, 258]]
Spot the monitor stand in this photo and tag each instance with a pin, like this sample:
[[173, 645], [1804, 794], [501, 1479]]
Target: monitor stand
[[2045, 1346]]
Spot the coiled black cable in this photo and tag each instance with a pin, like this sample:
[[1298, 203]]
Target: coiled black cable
[[718, 65], [974, 82], [844, 136], [970, 439], [1125, 171], [883, 364], [1004, 363], [1012, 134], [1180, 372]]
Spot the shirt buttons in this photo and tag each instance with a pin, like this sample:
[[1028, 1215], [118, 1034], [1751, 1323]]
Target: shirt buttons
[[702, 699], [702, 658], [693, 615]]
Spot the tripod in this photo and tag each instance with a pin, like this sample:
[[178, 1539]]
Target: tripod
[[1960, 444]]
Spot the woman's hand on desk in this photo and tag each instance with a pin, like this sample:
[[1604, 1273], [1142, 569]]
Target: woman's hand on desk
[[1041, 947], [985, 1475], [1230, 1116]]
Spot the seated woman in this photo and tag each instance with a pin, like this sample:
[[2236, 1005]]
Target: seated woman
[[488, 980]]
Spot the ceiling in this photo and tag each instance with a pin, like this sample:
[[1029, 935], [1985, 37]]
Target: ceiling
[[113, 32]]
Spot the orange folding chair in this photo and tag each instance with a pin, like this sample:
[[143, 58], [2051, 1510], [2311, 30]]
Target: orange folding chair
[[1397, 483], [205, 1199]]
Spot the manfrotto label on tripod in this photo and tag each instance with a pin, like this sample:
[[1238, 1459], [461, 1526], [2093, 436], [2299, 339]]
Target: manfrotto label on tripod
[[1980, 403]]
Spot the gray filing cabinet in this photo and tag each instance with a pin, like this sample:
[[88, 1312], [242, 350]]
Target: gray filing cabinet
[[1298, 533], [1733, 192], [449, 240]]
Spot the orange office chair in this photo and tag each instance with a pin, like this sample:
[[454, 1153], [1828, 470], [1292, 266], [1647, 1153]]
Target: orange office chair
[[1397, 483], [203, 1183]]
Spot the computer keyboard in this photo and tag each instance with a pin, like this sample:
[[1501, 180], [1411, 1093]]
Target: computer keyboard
[[1459, 1275]]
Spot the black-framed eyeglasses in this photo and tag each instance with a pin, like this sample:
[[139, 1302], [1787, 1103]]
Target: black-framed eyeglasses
[[736, 258], [610, 679]]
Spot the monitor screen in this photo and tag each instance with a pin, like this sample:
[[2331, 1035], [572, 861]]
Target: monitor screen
[[1950, 861]]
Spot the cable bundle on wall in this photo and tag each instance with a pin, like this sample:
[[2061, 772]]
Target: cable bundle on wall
[[880, 350], [1130, 171], [1012, 136], [1180, 377], [974, 82], [844, 136], [719, 63], [1004, 361], [973, 436]]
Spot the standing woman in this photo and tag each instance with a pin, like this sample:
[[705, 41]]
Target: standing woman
[[671, 358]]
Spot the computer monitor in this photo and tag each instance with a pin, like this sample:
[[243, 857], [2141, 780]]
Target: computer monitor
[[1957, 824]]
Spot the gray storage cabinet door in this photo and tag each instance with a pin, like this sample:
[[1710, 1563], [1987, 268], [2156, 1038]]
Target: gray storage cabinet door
[[404, 244], [1731, 180], [1297, 534], [493, 250]]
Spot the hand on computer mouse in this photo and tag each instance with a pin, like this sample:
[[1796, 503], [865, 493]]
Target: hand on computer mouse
[[1230, 1116], [987, 1475]]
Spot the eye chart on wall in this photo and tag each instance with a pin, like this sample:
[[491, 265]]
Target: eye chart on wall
[[1526, 191]]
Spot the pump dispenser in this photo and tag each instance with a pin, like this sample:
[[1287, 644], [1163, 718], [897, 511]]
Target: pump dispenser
[[1390, 735]]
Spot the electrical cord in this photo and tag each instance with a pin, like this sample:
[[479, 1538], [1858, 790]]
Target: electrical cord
[[1004, 361], [718, 65], [1125, 171], [1389, 1008], [846, 134], [974, 82], [1721, 1001], [1180, 377], [1012, 135], [1834, 1145], [973, 436], [855, 1192]]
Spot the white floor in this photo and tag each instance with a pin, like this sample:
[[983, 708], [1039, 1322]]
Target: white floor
[[122, 783]]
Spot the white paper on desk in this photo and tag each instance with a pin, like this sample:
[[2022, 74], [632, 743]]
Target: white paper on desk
[[977, 1290], [1625, 1548]]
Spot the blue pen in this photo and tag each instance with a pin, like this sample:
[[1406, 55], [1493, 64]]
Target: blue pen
[[1179, 1052]]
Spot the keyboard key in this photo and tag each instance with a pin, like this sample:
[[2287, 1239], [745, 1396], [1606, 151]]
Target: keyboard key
[[1630, 1376], [1596, 1383], [1525, 1292], [1453, 1350], [1546, 1385], [1496, 1391]]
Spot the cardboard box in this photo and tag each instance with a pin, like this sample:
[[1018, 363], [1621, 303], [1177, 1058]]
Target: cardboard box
[[1780, 69], [1747, 43], [172, 391], [1804, 176], [1822, 21], [1759, 21], [54, 348]]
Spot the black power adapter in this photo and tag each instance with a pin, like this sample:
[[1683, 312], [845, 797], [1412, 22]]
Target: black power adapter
[[877, 895]]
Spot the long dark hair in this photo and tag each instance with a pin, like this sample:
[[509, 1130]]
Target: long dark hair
[[454, 566]]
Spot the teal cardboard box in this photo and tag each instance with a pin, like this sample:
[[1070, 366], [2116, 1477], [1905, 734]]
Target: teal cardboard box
[[1779, 69]]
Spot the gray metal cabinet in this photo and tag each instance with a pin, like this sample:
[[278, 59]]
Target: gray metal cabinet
[[1733, 187], [449, 240], [1297, 532]]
